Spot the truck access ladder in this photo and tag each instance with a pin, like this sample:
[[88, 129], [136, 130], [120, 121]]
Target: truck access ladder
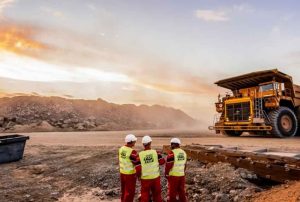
[[259, 115]]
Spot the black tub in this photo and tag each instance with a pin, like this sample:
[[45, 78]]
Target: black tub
[[12, 147]]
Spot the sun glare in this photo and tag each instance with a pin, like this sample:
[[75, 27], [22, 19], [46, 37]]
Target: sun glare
[[25, 68], [18, 41]]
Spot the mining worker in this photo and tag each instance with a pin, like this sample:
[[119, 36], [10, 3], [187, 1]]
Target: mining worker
[[127, 161], [148, 171], [175, 172]]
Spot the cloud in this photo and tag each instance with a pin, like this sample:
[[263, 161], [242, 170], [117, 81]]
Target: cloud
[[53, 12], [224, 14], [72, 57], [4, 4], [243, 8], [212, 15], [92, 7], [20, 39], [276, 31]]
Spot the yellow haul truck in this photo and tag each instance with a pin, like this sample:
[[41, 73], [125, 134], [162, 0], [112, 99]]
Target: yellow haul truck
[[263, 102]]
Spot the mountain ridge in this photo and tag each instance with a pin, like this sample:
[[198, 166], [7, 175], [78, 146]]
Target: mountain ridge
[[39, 113]]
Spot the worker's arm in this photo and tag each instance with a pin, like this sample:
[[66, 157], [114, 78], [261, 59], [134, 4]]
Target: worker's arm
[[169, 163], [133, 157], [161, 160], [138, 167]]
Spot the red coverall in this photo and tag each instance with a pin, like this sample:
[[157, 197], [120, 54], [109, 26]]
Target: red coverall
[[176, 185], [150, 186], [128, 182]]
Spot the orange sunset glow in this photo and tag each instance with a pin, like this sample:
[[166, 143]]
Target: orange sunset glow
[[99, 49], [18, 41]]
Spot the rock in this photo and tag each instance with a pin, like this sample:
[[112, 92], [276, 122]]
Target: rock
[[67, 121], [243, 175], [111, 193], [92, 114], [13, 119], [236, 199], [65, 125], [218, 182], [92, 118], [233, 192], [196, 197], [10, 125], [80, 126], [220, 197], [89, 124], [45, 126], [204, 191], [1, 121], [37, 169], [75, 120]]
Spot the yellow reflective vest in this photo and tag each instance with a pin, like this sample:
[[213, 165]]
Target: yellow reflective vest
[[150, 164], [126, 166], [179, 163]]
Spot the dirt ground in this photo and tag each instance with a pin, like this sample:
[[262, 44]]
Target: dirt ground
[[83, 167], [287, 193], [160, 137]]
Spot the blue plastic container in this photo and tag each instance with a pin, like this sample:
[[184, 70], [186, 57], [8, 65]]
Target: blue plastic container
[[12, 147]]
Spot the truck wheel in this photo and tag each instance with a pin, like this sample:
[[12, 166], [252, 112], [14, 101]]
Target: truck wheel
[[284, 122], [232, 133], [298, 118]]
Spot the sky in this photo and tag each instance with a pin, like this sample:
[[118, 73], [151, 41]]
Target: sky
[[167, 52]]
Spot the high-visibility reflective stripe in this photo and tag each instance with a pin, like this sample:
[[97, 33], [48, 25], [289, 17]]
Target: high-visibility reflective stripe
[[179, 163], [149, 163], [126, 166]]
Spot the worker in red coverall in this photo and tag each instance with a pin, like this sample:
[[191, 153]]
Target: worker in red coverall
[[175, 172], [147, 169], [127, 161]]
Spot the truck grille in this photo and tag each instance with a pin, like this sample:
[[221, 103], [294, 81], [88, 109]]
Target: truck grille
[[238, 111]]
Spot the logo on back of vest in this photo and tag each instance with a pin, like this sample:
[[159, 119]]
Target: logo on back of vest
[[180, 157], [123, 154], [148, 158]]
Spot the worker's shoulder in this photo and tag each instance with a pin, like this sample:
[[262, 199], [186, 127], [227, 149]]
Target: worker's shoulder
[[134, 152], [170, 153], [180, 150]]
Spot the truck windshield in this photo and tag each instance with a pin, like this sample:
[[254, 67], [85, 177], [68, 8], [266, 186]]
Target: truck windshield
[[267, 87]]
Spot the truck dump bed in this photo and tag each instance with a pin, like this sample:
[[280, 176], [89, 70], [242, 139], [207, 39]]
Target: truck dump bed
[[297, 91], [254, 79]]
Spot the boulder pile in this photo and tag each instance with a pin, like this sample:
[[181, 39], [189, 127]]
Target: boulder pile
[[34, 113]]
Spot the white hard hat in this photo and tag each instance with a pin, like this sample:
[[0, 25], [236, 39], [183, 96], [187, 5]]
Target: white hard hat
[[146, 139], [130, 138], [175, 140]]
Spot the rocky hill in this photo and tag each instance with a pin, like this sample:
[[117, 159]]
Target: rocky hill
[[35, 113]]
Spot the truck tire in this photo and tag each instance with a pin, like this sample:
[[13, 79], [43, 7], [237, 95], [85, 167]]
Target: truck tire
[[284, 122], [232, 133], [298, 118]]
